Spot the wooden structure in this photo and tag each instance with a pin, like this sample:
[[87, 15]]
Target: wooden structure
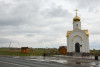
[[24, 50], [63, 50]]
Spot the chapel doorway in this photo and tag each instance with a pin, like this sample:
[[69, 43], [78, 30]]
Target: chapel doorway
[[77, 47]]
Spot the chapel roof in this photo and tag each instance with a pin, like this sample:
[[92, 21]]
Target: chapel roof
[[85, 31], [68, 33]]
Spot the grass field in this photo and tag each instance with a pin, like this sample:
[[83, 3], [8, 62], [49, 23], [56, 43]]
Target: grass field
[[95, 52], [32, 52], [36, 52]]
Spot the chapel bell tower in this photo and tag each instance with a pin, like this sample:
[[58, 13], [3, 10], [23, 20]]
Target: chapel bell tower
[[76, 22]]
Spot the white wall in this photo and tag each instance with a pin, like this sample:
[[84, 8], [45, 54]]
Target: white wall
[[76, 25], [80, 37]]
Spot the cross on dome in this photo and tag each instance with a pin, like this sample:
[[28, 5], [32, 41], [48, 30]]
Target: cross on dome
[[76, 18], [76, 12]]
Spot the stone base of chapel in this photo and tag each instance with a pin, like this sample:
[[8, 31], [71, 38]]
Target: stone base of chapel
[[75, 54], [85, 54]]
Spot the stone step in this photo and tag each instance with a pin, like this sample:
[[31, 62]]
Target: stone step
[[77, 54]]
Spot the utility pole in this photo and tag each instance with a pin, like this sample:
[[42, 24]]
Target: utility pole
[[9, 45]]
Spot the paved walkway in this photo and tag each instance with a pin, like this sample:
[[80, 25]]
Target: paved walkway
[[6, 61], [69, 60], [82, 61]]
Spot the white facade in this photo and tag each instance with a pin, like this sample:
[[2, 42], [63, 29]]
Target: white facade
[[77, 39]]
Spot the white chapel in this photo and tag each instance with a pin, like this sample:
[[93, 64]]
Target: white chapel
[[77, 39]]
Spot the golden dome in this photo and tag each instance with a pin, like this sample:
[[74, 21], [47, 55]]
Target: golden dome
[[76, 19]]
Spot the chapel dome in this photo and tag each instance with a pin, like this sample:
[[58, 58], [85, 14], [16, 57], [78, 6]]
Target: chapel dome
[[76, 19]]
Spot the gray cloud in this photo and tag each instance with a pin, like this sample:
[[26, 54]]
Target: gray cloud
[[4, 40], [56, 12], [36, 22]]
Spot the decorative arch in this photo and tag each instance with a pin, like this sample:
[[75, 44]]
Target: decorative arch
[[76, 36]]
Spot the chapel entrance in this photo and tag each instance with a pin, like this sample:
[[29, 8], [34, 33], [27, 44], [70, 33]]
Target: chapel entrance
[[77, 47]]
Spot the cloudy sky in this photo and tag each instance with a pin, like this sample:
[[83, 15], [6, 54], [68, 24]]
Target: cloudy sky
[[44, 23]]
